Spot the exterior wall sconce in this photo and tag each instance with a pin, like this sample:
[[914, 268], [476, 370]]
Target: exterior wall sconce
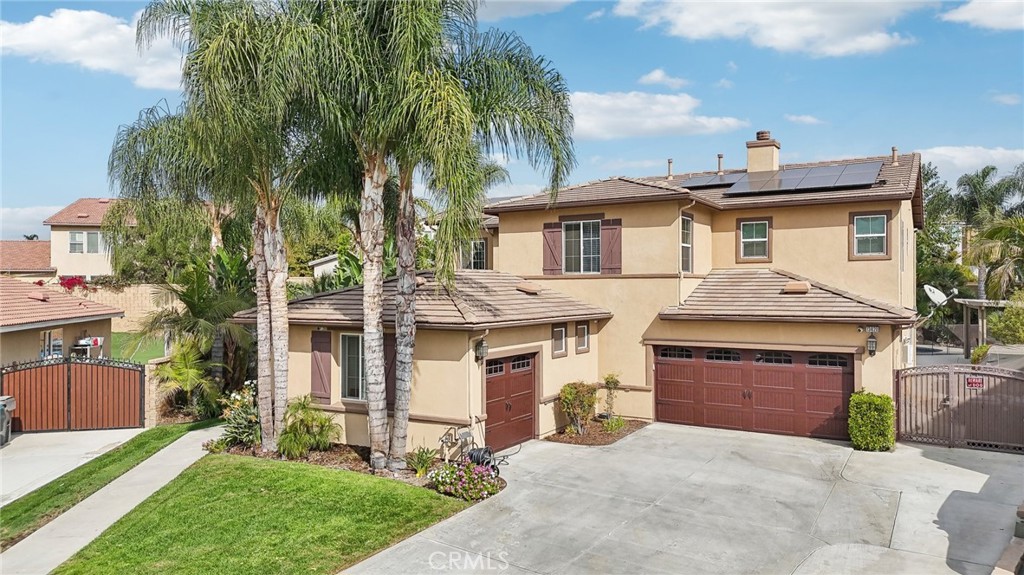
[[480, 350], [872, 345]]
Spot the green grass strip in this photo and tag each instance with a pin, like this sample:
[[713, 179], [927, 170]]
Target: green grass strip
[[243, 515], [24, 515]]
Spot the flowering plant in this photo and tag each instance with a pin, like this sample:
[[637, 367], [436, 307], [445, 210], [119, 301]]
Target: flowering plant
[[465, 480], [241, 419]]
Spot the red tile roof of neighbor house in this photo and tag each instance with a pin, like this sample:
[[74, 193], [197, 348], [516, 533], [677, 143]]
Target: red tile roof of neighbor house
[[898, 180], [775, 295], [481, 299], [23, 304], [23, 256], [82, 212]]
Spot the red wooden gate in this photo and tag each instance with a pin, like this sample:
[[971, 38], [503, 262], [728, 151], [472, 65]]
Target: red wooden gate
[[72, 394]]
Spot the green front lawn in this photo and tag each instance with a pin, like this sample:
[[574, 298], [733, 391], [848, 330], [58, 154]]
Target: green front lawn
[[125, 346], [24, 515], [237, 514]]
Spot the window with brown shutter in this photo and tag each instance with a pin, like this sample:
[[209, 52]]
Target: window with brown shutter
[[608, 245], [611, 246], [320, 388]]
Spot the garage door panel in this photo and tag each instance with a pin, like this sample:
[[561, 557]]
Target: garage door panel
[[775, 423], [774, 400], [675, 371], [723, 375], [676, 392], [676, 412], [821, 380], [826, 404], [723, 396], [520, 384], [785, 379], [827, 427], [511, 401], [727, 418]]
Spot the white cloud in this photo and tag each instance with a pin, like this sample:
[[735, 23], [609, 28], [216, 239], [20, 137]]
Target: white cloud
[[595, 14], [15, 223], [611, 115], [803, 119], [659, 76], [815, 28], [955, 161], [95, 41], [1006, 99], [724, 83], [994, 15], [494, 10], [608, 165], [732, 66]]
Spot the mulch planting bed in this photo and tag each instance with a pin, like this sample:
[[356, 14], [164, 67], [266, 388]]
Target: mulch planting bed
[[596, 435]]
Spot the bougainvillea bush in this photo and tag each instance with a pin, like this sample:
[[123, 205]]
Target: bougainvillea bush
[[465, 480]]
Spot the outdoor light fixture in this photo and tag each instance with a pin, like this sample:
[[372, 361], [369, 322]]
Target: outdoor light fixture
[[480, 349], [872, 345]]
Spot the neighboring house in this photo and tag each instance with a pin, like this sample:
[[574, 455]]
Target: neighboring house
[[37, 323], [76, 240], [324, 266], [26, 260], [755, 299]]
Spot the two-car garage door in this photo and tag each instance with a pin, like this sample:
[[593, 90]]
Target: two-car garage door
[[786, 392]]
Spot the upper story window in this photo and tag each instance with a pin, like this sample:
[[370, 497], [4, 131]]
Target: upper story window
[[581, 247], [353, 385], [754, 239], [686, 243], [85, 242], [474, 257], [869, 236]]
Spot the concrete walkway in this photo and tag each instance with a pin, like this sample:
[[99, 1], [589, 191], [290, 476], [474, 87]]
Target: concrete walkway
[[32, 460], [677, 499], [58, 540]]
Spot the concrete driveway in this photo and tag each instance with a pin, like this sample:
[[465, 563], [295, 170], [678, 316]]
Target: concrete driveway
[[677, 499], [32, 460]]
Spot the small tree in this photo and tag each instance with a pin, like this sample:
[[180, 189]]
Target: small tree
[[1008, 327], [578, 399], [611, 387]]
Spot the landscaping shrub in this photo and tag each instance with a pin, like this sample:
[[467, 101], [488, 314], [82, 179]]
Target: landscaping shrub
[[613, 424], [872, 422], [578, 399], [241, 418], [611, 387], [465, 480], [306, 429], [979, 353], [421, 459]]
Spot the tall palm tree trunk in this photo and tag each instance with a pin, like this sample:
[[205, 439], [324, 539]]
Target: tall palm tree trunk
[[264, 349], [405, 319], [371, 223], [277, 276]]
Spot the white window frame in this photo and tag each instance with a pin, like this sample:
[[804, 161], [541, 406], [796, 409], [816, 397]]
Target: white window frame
[[884, 235], [593, 257], [685, 247], [99, 242], [559, 337], [585, 345], [469, 259], [767, 245], [47, 341], [343, 361], [76, 239]]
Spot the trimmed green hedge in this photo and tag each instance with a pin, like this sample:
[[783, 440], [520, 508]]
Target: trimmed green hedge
[[872, 422]]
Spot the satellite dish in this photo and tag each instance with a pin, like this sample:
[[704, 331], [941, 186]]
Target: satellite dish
[[936, 295]]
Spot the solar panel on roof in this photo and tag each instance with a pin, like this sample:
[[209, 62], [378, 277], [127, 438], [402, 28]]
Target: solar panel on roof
[[801, 179], [712, 181]]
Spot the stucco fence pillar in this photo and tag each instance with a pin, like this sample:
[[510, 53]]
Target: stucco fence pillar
[[152, 391]]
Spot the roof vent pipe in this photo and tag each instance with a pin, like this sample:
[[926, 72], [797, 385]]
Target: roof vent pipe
[[669, 169], [720, 156], [895, 162]]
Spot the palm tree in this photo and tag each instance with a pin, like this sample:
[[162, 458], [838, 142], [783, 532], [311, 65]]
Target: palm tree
[[1001, 243], [31, 237], [187, 373], [979, 201]]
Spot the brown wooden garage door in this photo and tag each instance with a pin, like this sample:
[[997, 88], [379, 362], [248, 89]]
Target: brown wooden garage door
[[785, 392], [510, 400]]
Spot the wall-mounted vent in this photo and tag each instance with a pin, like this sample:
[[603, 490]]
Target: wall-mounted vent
[[528, 288], [796, 287]]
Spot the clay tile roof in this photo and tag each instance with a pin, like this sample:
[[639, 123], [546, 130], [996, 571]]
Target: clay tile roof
[[757, 295], [81, 212], [23, 303], [24, 256], [893, 182], [481, 299]]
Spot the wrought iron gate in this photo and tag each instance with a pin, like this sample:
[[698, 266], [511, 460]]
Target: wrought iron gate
[[959, 405], [74, 393]]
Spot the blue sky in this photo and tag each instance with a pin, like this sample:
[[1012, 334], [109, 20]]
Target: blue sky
[[650, 81]]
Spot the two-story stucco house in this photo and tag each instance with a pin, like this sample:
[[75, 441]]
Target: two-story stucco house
[[76, 240], [756, 299]]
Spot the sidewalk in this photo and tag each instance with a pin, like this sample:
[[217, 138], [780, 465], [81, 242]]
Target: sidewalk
[[58, 540]]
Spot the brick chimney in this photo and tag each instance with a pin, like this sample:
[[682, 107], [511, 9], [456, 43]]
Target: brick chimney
[[763, 153]]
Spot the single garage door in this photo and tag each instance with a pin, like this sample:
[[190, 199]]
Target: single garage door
[[785, 392], [510, 401]]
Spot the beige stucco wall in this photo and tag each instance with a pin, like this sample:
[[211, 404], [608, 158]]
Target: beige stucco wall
[[23, 345], [69, 264], [447, 380], [137, 302]]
